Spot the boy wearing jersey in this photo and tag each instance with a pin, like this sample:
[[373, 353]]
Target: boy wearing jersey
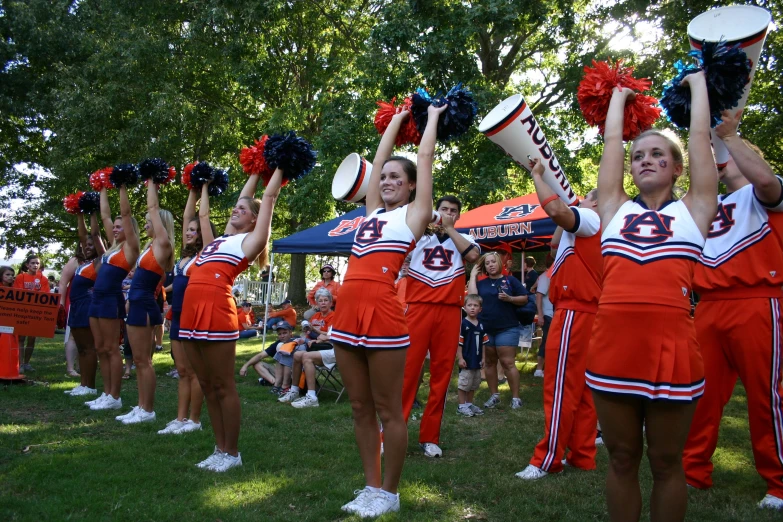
[[471, 341], [574, 290], [741, 268], [434, 296]]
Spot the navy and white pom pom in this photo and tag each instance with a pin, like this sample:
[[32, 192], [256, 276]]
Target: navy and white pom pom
[[201, 174], [124, 174], [219, 182], [155, 169], [89, 202], [291, 153], [726, 71], [455, 121]]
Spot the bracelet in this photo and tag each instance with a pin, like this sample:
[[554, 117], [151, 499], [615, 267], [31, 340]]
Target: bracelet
[[549, 200]]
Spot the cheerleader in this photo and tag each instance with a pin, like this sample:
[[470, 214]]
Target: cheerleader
[[196, 231], [107, 309], [30, 278], [77, 281], [644, 365], [144, 315], [369, 332], [209, 327]]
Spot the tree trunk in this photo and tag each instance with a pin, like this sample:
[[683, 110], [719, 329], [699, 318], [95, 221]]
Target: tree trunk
[[297, 291]]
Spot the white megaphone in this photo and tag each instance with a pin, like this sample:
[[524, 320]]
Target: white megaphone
[[512, 126], [351, 179], [742, 25]]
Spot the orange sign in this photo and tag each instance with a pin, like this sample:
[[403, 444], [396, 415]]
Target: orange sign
[[24, 312]]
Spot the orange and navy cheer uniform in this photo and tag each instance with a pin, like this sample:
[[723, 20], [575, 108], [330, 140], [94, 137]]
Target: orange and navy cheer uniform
[[209, 312], [434, 296], [738, 325], [108, 302], [143, 309], [35, 283], [369, 314], [80, 292], [574, 290], [178, 287], [644, 342]]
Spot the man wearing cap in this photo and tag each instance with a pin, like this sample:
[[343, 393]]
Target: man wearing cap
[[327, 281], [434, 295], [247, 320], [286, 313]]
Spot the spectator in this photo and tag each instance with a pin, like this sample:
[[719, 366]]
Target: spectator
[[6, 276], [327, 281], [285, 314], [471, 340], [545, 312], [529, 273], [285, 355], [30, 278], [402, 281], [323, 354], [247, 321], [266, 377], [501, 295], [265, 274]]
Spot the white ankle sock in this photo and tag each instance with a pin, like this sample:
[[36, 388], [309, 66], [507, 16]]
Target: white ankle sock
[[374, 490], [390, 496], [311, 393], [295, 389]]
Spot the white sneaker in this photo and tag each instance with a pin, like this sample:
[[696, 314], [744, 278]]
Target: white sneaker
[[70, 392], [225, 463], [431, 450], [308, 401], [465, 411], [476, 410], [109, 403], [531, 472], [142, 415], [187, 427], [216, 455], [771, 502], [516, 403], [363, 496], [127, 415], [288, 396], [171, 427], [538, 373], [379, 504], [599, 438], [96, 401], [77, 392], [493, 401]]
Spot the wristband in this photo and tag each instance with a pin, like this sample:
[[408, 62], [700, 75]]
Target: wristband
[[549, 200], [465, 252]]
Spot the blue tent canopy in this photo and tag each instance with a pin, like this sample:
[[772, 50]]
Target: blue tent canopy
[[333, 237]]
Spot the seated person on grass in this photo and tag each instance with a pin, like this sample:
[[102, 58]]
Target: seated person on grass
[[322, 353], [269, 375], [285, 356], [286, 313], [247, 320]]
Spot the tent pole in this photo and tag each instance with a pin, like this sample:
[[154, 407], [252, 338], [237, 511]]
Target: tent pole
[[268, 296]]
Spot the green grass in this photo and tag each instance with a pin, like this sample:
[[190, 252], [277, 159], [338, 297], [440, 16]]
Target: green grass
[[302, 464]]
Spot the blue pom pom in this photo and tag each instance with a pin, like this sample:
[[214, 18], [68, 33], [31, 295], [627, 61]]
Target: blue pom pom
[[726, 70], [200, 174], [155, 169], [219, 182], [455, 121], [124, 174], [294, 155], [90, 202]]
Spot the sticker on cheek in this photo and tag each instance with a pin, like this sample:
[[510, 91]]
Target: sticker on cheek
[[399, 183], [662, 163]]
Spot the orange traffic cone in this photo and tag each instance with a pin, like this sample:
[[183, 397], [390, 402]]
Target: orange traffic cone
[[9, 357]]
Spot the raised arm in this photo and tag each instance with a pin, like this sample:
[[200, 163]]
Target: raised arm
[[384, 152], [472, 284], [203, 217], [256, 241], [248, 191], [702, 197], [469, 251], [189, 214], [131, 248], [420, 211], [554, 207], [161, 245], [610, 173], [95, 233], [752, 166], [82, 229], [108, 222]]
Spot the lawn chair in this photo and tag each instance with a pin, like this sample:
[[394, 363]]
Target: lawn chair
[[327, 380]]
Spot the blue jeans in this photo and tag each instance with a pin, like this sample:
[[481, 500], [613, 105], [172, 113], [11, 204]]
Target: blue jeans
[[273, 321], [247, 334]]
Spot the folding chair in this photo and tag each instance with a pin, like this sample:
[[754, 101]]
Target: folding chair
[[327, 380]]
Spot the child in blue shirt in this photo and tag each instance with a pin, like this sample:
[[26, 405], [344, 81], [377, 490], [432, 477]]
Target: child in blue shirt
[[472, 338]]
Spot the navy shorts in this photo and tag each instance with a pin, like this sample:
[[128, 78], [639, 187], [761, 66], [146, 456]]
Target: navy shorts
[[108, 306], [143, 312]]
